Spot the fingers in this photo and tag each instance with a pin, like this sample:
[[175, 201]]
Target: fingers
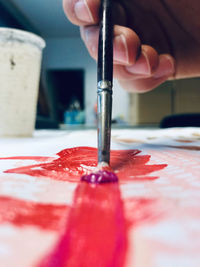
[[126, 46], [82, 12], [126, 43], [138, 67], [86, 12], [143, 67], [90, 36], [163, 72]]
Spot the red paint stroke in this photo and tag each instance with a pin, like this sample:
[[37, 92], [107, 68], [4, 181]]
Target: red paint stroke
[[96, 228], [98, 221], [96, 232], [53, 217], [22, 213], [76, 162]]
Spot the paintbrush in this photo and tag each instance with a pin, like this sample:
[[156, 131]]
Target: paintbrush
[[104, 82]]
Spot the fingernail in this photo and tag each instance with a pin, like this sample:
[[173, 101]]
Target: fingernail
[[88, 34], [141, 67], [82, 11], [120, 50], [166, 67], [82, 33], [89, 37]]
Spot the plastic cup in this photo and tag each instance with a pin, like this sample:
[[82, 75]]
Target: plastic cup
[[20, 65]]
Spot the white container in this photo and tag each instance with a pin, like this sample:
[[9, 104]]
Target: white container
[[20, 64]]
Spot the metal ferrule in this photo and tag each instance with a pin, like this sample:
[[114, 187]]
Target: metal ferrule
[[104, 110]]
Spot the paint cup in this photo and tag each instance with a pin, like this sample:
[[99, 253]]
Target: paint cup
[[20, 64]]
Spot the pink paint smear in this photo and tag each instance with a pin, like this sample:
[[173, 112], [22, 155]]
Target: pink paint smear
[[94, 229]]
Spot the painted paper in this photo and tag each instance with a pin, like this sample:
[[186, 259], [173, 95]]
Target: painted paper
[[151, 217]]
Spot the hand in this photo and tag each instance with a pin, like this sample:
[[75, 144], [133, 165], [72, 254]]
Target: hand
[[154, 40]]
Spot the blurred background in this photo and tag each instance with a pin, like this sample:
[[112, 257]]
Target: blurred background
[[67, 92]]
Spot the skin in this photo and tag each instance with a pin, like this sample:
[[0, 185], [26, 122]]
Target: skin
[[154, 40]]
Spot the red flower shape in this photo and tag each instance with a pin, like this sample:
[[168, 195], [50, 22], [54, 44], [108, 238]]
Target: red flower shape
[[75, 162]]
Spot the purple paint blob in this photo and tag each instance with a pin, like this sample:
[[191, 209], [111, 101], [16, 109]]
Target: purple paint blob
[[100, 177]]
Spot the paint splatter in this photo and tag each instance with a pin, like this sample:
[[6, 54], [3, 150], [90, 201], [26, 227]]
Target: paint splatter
[[22, 213], [76, 162]]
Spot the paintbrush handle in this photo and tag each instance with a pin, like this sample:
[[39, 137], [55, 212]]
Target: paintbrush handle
[[105, 49], [105, 80], [104, 115]]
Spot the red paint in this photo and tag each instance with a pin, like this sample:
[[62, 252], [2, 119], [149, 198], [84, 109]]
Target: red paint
[[98, 216], [97, 221], [96, 233], [76, 162], [23, 213], [97, 229]]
